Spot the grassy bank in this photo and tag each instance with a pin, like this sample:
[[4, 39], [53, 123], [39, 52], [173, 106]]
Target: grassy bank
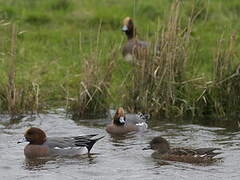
[[50, 50]]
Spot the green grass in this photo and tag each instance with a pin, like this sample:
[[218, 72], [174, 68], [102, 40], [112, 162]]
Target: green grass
[[54, 37]]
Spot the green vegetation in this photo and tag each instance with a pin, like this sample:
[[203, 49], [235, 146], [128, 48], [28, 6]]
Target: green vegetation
[[67, 53]]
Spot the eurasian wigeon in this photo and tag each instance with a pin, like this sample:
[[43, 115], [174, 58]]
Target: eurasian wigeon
[[41, 146], [121, 124], [133, 49], [187, 155]]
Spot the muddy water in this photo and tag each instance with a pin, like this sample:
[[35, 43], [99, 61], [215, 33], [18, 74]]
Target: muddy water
[[116, 157]]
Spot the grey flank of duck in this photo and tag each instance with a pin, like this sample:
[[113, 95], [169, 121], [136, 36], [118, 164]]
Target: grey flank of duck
[[42, 146]]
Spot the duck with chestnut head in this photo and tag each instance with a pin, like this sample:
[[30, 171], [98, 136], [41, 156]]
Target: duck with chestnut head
[[42, 146], [121, 124], [134, 49]]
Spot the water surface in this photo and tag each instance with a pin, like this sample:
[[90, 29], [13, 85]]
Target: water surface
[[116, 157]]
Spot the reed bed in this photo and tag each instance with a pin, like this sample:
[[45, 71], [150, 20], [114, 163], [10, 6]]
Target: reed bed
[[225, 91], [93, 93], [164, 84], [157, 79], [16, 98]]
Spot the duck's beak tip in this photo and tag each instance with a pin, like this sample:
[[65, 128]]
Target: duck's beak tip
[[147, 148], [22, 140]]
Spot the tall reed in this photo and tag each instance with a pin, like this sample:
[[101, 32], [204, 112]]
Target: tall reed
[[17, 98], [226, 83], [93, 88]]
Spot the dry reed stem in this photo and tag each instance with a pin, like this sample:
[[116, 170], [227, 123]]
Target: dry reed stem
[[94, 88], [11, 89], [17, 99], [225, 86]]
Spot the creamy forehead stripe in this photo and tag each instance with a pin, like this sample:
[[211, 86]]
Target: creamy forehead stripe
[[121, 111], [26, 132], [126, 20]]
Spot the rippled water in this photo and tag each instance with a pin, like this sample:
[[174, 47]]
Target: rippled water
[[116, 157]]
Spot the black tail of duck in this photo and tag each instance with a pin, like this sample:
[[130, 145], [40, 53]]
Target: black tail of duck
[[86, 141]]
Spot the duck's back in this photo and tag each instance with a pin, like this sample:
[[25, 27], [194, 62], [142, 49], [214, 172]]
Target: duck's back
[[201, 155], [195, 152]]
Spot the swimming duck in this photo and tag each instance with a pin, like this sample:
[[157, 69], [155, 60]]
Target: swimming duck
[[134, 48], [164, 152], [41, 146], [121, 124]]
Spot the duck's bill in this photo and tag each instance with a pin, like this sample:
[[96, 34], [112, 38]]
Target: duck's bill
[[124, 28], [22, 140], [147, 148]]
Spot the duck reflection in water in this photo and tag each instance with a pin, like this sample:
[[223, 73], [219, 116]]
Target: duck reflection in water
[[42, 163]]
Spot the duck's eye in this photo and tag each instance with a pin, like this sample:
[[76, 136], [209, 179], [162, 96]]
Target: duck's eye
[[130, 22]]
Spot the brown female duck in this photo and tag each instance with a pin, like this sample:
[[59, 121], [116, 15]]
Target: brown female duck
[[134, 49], [164, 152]]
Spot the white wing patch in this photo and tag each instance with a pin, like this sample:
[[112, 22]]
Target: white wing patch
[[67, 148]]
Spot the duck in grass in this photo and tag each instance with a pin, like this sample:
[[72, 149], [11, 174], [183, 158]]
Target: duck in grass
[[123, 124], [164, 152], [42, 146], [133, 49]]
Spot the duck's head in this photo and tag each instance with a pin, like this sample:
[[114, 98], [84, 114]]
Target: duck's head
[[120, 112], [159, 144], [127, 24], [128, 27], [34, 136], [119, 118]]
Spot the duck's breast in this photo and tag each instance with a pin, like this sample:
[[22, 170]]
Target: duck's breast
[[135, 49], [36, 151], [113, 129]]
